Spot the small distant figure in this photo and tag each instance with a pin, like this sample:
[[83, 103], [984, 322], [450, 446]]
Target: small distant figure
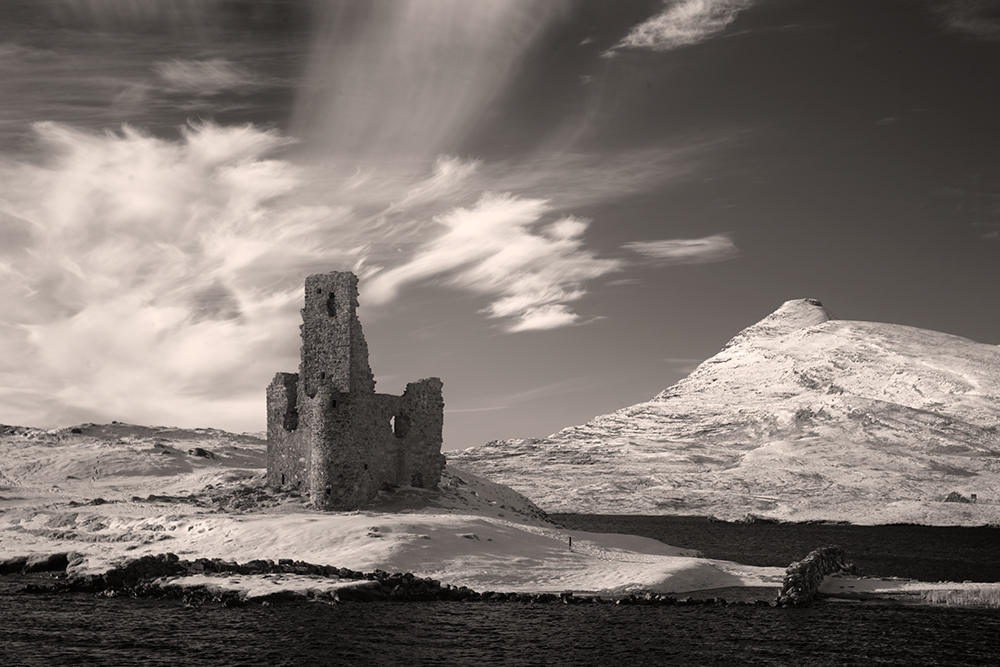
[[570, 542]]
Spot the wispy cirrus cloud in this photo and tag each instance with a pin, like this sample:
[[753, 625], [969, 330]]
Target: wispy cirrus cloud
[[715, 248], [204, 77], [138, 275], [974, 18], [681, 23], [410, 78], [158, 280], [505, 247], [992, 232]]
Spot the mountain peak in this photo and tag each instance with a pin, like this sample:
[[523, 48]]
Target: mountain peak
[[801, 415], [791, 316]]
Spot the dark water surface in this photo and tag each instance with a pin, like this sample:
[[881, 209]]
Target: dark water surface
[[78, 629], [926, 553]]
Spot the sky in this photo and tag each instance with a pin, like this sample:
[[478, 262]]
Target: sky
[[558, 207]]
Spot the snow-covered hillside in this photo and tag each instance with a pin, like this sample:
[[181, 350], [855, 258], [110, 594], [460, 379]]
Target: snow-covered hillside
[[112, 492], [800, 416]]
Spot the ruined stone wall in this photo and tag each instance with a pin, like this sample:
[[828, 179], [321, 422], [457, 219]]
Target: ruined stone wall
[[374, 441], [419, 427], [804, 577], [329, 433], [288, 443], [334, 351], [352, 452]]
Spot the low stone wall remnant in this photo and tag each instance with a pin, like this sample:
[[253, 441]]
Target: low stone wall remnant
[[803, 578]]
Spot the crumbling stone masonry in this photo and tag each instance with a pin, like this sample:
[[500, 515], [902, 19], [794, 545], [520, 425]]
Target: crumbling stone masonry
[[328, 433], [804, 577]]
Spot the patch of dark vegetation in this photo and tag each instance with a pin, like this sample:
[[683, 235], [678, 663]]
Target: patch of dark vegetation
[[157, 498], [926, 553], [224, 498], [248, 498]]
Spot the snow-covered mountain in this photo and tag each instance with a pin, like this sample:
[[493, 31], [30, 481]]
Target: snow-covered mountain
[[799, 416]]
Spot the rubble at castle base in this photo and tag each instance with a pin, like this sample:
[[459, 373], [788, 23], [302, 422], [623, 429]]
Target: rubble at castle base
[[328, 433]]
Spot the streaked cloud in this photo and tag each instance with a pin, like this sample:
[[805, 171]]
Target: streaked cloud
[[681, 23], [716, 248], [411, 78], [203, 77], [159, 281], [992, 232], [973, 18], [509, 400], [510, 249], [682, 365], [492, 408]]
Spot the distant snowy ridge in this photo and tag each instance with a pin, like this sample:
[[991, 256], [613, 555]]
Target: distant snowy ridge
[[800, 416]]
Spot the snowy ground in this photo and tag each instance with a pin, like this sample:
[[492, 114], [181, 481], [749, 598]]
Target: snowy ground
[[943, 592], [120, 491]]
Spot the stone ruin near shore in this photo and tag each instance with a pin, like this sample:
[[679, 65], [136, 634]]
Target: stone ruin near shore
[[328, 433]]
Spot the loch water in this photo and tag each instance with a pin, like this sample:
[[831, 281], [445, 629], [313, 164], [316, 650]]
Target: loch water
[[81, 629], [924, 553]]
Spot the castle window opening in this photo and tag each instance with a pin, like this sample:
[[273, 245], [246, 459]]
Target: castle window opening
[[401, 426], [331, 306]]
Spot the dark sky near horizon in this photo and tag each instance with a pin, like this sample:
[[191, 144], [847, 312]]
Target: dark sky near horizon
[[558, 207]]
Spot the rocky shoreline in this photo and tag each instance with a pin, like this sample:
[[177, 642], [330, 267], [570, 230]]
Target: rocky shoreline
[[230, 583], [161, 576]]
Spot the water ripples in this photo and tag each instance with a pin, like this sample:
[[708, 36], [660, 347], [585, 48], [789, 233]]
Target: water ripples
[[48, 630]]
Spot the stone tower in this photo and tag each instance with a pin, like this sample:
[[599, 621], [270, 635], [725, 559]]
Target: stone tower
[[328, 432]]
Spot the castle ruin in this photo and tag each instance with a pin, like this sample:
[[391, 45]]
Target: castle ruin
[[328, 433]]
